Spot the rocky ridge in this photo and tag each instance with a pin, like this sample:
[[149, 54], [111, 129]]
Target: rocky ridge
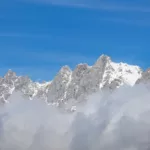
[[74, 85]]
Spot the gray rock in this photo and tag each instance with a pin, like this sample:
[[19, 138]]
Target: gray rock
[[72, 86], [145, 77]]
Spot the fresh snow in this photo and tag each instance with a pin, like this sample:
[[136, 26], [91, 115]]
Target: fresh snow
[[124, 73], [129, 73]]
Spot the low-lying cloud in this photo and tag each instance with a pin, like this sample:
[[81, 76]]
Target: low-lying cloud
[[107, 121]]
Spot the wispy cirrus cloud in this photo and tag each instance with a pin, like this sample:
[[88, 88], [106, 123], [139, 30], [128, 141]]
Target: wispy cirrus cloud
[[94, 4], [52, 57], [24, 35], [44, 65], [135, 22]]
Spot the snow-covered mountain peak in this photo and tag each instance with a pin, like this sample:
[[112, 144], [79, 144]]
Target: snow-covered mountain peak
[[65, 70], [116, 74], [73, 84], [10, 74], [81, 67], [102, 60], [129, 73], [104, 57]]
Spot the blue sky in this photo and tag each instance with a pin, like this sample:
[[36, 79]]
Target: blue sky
[[38, 37]]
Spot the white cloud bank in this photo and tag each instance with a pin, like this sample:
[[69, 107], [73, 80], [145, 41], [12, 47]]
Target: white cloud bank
[[108, 121]]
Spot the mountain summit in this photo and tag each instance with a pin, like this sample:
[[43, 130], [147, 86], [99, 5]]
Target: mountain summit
[[73, 84]]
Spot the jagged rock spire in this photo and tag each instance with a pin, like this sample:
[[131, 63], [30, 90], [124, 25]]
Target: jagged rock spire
[[73, 85], [10, 73], [102, 60], [65, 70]]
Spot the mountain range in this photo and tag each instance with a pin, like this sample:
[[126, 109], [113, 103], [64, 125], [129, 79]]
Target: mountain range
[[74, 85]]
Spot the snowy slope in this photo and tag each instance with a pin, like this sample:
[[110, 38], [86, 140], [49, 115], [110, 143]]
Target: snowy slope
[[11, 82], [73, 84], [128, 74]]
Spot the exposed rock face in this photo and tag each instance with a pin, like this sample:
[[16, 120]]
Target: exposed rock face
[[58, 88], [74, 85], [85, 80], [11, 82], [145, 77]]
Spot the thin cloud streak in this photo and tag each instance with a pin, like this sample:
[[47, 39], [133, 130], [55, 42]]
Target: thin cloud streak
[[23, 35], [48, 58], [60, 58], [93, 5], [145, 23], [52, 63]]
